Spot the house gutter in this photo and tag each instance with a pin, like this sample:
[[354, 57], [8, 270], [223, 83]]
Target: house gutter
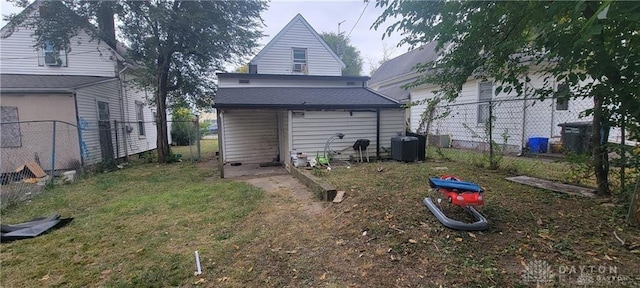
[[123, 98]]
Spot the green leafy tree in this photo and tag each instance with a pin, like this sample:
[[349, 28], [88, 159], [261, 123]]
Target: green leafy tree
[[183, 129], [174, 46], [341, 45], [591, 46]]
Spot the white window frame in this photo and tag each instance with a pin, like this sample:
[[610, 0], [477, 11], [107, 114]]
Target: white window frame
[[140, 119], [46, 50], [484, 103], [302, 62]]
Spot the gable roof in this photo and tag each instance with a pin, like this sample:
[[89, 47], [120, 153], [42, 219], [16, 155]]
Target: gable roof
[[286, 29], [302, 98], [403, 64], [120, 49]]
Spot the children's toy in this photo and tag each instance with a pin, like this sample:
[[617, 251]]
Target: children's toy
[[466, 195]]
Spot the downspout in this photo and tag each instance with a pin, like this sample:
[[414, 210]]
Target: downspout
[[75, 103], [378, 133], [220, 142], [123, 98]]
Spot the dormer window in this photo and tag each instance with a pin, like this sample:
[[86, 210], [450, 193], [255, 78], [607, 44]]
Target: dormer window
[[299, 60]]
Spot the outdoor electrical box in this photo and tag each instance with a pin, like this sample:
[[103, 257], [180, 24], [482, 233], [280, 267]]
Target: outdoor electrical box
[[404, 148]]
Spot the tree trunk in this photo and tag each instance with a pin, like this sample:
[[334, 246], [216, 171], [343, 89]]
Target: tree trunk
[[633, 218], [599, 149], [161, 102]]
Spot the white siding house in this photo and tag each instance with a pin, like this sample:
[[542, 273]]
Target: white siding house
[[297, 40], [294, 98], [90, 74], [516, 119]]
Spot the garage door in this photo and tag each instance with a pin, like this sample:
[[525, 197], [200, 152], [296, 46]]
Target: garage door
[[250, 136]]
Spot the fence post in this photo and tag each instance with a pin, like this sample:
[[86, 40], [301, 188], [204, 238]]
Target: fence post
[[53, 151], [491, 160], [115, 127], [623, 155], [198, 136], [189, 137]]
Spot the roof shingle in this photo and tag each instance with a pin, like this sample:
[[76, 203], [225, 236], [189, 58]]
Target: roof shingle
[[302, 97]]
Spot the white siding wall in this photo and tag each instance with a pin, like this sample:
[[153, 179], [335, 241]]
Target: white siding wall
[[279, 58], [391, 125], [86, 57], [87, 99], [233, 83], [136, 143], [250, 136], [311, 131], [541, 118]]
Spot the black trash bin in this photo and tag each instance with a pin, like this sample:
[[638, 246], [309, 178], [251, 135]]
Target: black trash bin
[[576, 137], [422, 145], [404, 148]]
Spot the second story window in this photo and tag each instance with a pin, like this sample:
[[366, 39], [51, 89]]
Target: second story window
[[299, 60], [50, 56]]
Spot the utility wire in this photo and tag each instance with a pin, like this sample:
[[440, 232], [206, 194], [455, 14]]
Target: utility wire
[[359, 17]]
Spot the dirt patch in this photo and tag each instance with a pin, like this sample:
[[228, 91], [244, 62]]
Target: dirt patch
[[288, 188]]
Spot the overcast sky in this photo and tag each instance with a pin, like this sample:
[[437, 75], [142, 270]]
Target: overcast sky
[[324, 16]]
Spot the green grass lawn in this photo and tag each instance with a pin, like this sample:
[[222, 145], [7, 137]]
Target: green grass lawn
[[138, 226]]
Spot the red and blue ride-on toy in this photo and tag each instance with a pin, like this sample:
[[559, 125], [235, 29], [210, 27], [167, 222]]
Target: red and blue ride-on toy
[[466, 195]]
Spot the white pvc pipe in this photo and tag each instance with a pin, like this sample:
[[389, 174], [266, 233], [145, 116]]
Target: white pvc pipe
[[198, 263]]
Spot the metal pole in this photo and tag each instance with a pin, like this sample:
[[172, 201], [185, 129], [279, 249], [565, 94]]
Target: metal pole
[[115, 125], [491, 165], [198, 136], [189, 136], [623, 156], [53, 151]]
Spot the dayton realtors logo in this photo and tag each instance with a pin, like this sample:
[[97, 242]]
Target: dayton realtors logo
[[540, 272]]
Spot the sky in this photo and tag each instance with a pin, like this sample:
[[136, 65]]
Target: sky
[[323, 16]]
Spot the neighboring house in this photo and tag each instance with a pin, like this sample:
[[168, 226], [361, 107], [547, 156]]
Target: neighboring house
[[294, 98], [86, 86], [516, 118]]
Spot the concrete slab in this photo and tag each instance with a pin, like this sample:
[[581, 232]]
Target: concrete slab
[[554, 186], [246, 171], [288, 187]]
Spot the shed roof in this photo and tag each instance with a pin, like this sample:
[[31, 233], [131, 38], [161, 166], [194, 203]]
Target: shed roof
[[302, 98], [47, 83]]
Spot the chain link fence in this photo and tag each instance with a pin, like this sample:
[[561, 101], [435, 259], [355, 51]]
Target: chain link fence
[[139, 139], [33, 154], [549, 139]]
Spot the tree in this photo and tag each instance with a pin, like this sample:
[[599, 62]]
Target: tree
[[374, 64], [175, 46], [242, 69], [587, 45], [341, 45]]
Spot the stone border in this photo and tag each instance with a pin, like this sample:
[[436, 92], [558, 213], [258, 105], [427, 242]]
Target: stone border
[[322, 189]]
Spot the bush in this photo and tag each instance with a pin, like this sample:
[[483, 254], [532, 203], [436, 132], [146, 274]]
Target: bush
[[183, 133], [183, 130]]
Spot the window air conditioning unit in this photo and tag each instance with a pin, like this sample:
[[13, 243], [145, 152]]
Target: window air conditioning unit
[[300, 67], [52, 58]]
